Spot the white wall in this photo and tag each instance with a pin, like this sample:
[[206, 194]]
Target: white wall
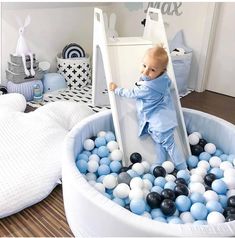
[[53, 25], [193, 21]]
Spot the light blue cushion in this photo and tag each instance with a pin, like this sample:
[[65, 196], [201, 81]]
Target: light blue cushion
[[53, 82]]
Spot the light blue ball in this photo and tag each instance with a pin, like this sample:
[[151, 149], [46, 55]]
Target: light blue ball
[[115, 166], [219, 186], [199, 211], [160, 181], [127, 200], [156, 189], [231, 158], [132, 173], [183, 203], [197, 197], [100, 179], [147, 208], [170, 184], [200, 222], [109, 136], [213, 205], [183, 174], [192, 161], [137, 206], [175, 220], [103, 151], [107, 195], [114, 174], [204, 156], [82, 166], [82, 156], [109, 191], [223, 157], [86, 152], [218, 152], [160, 219], [105, 160], [156, 212], [223, 199], [219, 173], [119, 201], [99, 141], [103, 169], [94, 151], [149, 176]]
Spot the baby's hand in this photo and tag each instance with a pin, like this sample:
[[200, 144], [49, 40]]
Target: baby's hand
[[112, 86]]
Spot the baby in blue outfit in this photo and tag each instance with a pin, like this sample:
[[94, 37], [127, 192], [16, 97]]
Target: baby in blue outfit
[[155, 110]]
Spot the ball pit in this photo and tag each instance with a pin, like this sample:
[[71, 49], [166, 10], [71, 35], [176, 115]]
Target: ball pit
[[89, 213]]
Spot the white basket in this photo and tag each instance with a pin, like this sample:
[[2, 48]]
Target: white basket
[[76, 71]]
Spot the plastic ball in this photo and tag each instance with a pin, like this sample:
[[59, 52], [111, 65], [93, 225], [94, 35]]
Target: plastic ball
[[122, 190], [171, 185], [231, 158], [230, 218], [202, 142], [219, 173], [210, 195], [180, 180], [218, 152], [103, 151], [82, 156], [231, 201], [168, 207], [197, 187], [105, 160], [168, 166], [229, 211], [210, 148], [226, 165], [230, 172], [92, 166], [187, 217], [198, 134], [183, 203], [154, 199], [181, 189], [157, 212], [103, 169], [197, 197], [116, 155], [170, 177], [183, 174], [94, 151], [200, 171], [146, 166], [137, 206], [160, 219], [135, 158], [175, 220], [150, 177], [195, 178], [215, 218], [112, 145], [192, 161], [230, 192], [124, 177], [159, 171], [99, 187], [193, 139], [115, 166], [204, 156], [223, 157], [89, 144], [132, 173], [223, 200], [230, 182], [82, 166], [214, 206], [136, 182], [109, 136], [99, 141], [219, 186], [90, 176], [204, 164], [196, 150], [209, 178], [215, 162], [101, 134], [94, 157], [119, 201], [136, 193], [147, 184], [156, 189], [138, 168], [199, 211], [168, 193], [160, 181]]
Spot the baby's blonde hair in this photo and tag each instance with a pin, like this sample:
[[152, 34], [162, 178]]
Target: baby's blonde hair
[[159, 53]]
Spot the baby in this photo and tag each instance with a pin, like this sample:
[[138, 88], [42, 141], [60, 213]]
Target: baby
[[155, 110]]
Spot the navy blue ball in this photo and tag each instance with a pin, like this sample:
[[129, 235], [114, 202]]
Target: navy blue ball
[[180, 181], [159, 171], [135, 158], [228, 211], [168, 207], [230, 218], [181, 189], [209, 178], [196, 150], [154, 199], [231, 201], [202, 142], [168, 194]]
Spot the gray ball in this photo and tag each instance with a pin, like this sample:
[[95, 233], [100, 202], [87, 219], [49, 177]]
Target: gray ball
[[124, 177]]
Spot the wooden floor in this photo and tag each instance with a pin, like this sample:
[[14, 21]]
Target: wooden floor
[[47, 218]]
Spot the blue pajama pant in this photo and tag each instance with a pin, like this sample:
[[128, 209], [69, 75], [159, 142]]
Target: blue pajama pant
[[165, 144]]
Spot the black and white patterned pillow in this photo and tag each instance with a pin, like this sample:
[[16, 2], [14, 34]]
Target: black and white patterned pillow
[[76, 71]]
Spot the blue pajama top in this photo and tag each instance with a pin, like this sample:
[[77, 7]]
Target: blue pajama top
[[154, 103]]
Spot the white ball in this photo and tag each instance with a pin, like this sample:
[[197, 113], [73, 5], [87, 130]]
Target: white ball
[[187, 217], [226, 165], [92, 166], [230, 193], [147, 215], [138, 168], [146, 192], [204, 164], [193, 139], [147, 184], [211, 195], [215, 162], [136, 193], [112, 145], [90, 176], [94, 157], [136, 182], [101, 134], [230, 172], [230, 182], [198, 134], [215, 218], [200, 171], [110, 181], [89, 144], [168, 166], [210, 148], [196, 178], [170, 177], [122, 190], [146, 166], [92, 182], [197, 188], [116, 155], [99, 187]]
